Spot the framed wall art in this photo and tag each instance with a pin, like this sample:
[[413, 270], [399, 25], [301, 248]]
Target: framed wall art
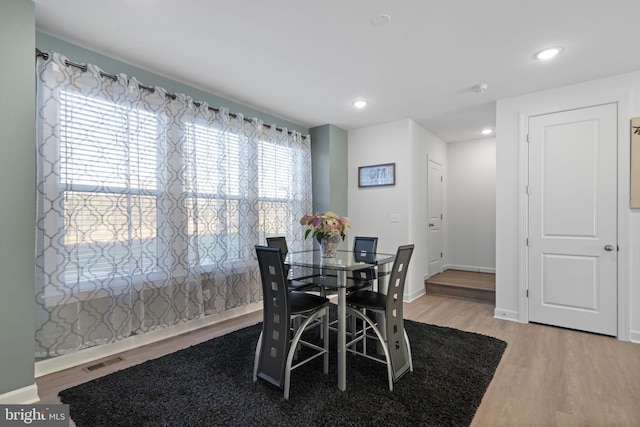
[[377, 175], [635, 163]]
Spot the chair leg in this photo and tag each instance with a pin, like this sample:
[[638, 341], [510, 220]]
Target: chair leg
[[382, 341], [296, 325], [323, 330], [325, 326], [364, 335], [352, 327], [257, 359], [292, 349], [406, 340]]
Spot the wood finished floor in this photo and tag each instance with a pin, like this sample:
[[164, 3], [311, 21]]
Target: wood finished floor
[[547, 377]]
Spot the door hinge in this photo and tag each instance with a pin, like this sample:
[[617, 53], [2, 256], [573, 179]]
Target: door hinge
[[526, 189], [527, 291], [527, 138], [527, 241], [441, 179], [440, 254]]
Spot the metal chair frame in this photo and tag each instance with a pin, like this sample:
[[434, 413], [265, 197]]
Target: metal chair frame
[[276, 349], [388, 324]]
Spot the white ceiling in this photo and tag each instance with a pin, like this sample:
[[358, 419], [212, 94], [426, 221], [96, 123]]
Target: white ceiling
[[306, 61]]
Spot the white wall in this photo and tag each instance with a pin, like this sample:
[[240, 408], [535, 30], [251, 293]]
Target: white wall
[[512, 117], [471, 203], [406, 144]]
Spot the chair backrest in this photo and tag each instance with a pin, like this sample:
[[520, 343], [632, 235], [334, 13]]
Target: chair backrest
[[397, 279], [276, 316], [394, 318], [364, 248], [281, 243], [278, 242]]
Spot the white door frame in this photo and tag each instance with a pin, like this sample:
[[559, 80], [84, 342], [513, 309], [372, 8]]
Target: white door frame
[[624, 146], [431, 159]]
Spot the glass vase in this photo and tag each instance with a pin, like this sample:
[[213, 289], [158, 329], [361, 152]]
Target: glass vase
[[329, 245]]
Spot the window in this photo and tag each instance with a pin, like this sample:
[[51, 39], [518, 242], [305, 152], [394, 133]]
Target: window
[[149, 205], [276, 174], [215, 179], [108, 162], [111, 177]]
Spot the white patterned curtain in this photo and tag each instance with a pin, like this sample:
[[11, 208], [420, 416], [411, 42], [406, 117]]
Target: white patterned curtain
[[150, 205]]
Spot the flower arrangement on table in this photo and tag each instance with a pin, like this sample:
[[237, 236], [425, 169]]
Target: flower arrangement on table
[[326, 228], [325, 225]]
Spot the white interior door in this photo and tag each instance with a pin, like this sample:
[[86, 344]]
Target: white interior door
[[434, 200], [573, 219]]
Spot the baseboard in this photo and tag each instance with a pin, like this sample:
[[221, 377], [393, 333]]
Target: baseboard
[[473, 268], [21, 396], [511, 315], [413, 296], [60, 363], [634, 337]]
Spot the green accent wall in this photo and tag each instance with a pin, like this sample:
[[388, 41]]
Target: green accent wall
[[320, 155], [17, 194], [80, 55], [329, 164]]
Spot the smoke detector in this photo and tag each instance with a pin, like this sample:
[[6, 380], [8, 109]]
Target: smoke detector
[[481, 88]]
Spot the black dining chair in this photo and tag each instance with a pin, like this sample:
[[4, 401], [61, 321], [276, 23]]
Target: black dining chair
[[280, 242], [278, 343], [383, 315], [364, 250]]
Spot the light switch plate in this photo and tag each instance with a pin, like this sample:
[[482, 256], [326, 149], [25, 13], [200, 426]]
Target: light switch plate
[[395, 217]]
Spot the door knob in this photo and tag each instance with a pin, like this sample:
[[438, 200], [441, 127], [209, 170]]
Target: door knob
[[608, 248], [431, 224]]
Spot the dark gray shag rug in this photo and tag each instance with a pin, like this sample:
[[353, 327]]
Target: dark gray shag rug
[[210, 384]]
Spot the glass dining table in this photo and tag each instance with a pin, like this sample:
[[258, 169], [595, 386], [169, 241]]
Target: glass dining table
[[339, 266]]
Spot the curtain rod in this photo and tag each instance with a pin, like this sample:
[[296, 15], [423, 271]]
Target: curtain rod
[[151, 89]]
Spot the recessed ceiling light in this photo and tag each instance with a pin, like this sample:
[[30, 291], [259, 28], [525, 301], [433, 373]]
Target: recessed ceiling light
[[360, 104], [548, 53], [381, 19], [487, 131]]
